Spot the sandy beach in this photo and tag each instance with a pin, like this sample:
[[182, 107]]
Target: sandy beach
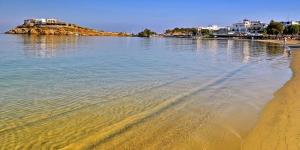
[[211, 100], [279, 125], [289, 42]]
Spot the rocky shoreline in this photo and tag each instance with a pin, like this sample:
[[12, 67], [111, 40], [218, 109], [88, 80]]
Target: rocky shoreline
[[69, 29]]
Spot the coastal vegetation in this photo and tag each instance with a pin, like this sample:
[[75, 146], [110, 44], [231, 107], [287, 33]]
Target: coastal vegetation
[[182, 31], [146, 33], [188, 32], [206, 32], [275, 28], [292, 30]]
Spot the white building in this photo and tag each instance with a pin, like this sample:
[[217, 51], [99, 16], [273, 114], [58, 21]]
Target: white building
[[40, 21], [210, 27], [52, 20], [35, 21], [223, 31], [248, 26], [242, 27], [257, 26], [289, 23]]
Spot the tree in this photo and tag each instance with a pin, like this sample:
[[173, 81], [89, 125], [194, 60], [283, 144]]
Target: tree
[[186, 31], [292, 30], [275, 28], [146, 33], [194, 31], [205, 32], [264, 31]]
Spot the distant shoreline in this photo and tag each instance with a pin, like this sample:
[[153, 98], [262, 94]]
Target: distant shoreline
[[121, 34]]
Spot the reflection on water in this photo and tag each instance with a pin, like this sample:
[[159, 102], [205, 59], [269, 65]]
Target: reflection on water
[[48, 46], [133, 93], [274, 50], [250, 49]]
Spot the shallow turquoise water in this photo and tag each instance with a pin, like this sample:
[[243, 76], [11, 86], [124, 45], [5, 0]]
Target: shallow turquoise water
[[45, 80]]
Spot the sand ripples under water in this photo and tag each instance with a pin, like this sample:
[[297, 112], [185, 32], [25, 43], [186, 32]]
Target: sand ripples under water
[[131, 93]]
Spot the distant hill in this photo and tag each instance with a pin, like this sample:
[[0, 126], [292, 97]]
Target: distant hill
[[59, 29]]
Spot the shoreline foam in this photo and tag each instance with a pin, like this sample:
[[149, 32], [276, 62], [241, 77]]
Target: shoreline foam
[[279, 125]]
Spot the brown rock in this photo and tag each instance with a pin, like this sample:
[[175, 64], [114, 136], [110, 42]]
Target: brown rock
[[69, 29], [33, 31]]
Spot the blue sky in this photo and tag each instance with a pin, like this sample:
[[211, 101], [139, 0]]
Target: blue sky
[[134, 15]]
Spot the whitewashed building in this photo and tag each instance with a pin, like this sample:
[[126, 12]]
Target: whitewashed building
[[257, 26], [210, 27], [289, 23], [248, 26], [242, 26], [40, 21], [51, 20]]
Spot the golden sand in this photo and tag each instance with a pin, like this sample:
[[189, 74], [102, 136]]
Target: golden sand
[[289, 42], [184, 114], [279, 125]]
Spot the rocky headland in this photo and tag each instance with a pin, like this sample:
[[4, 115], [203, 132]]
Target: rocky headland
[[60, 29]]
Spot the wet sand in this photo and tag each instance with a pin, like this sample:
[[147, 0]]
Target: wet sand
[[289, 42], [279, 125]]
